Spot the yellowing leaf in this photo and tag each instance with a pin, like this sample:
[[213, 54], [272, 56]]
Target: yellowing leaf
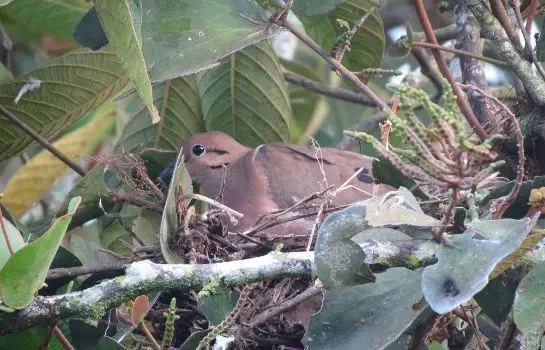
[[33, 180]]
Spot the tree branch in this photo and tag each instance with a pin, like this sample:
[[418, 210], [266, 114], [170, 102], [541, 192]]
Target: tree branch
[[144, 277], [341, 94], [464, 106], [493, 31]]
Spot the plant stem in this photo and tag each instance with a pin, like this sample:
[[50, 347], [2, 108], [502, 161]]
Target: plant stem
[[337, 66], [341, 94], [460, 52], [43, 141], [62, 339]]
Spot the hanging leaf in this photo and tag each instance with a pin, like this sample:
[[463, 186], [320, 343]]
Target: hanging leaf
[[366, 47], [56, 17], [340, 262], [246, 97], [71, 86], [122, 21], [180, 111], [373, 314], [169, 221], [463, 269], [34, 179], [184, 37], [25, 272]]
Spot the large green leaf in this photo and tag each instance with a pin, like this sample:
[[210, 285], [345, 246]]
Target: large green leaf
[[180, 111], [57, 17], [340, 262], [246, 97], [368, 316], [529, 308], [463, 269], [367, 46], [121, 20], [25, 272], [183, 37], [71, 86]]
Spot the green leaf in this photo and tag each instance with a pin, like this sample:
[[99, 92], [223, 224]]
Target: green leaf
[[398, 208], [463, 269], [529, 309], [30, 338], [169, 222], [183, 37], [246, 97], [339, 261], [57, 17], [217, 306], [121, 20], [368, 316], [180, 111], [520, 206], [367, 46], [71, 86], [15, 239], [25, 272], [314, 7]]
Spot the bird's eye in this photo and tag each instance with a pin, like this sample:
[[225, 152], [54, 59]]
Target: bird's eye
[[198, 150]]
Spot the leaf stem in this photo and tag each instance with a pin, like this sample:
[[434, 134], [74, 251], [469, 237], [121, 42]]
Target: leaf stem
[[43, 141]]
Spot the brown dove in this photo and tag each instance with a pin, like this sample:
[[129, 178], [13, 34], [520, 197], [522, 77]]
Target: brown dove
[[273, 176]]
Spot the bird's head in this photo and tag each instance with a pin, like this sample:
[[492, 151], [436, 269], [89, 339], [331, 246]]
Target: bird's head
[[206, 154]]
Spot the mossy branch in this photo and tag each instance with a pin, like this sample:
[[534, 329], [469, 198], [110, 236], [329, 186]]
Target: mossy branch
[[144, 277]]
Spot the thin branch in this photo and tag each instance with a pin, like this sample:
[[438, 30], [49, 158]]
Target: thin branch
[[69, 272], [215, 204], [62, 339], [498, 10], [531, 13], [460, 52], [286, 305], [527, 40], [144, 277], [464, 106], [472, 68], [342, 94], [41, 140], [427, 68], [337, 66], [357, 25], [493, 31]]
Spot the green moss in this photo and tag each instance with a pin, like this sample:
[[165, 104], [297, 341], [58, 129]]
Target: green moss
[[210, 287], [381, 261], [413, 262]]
